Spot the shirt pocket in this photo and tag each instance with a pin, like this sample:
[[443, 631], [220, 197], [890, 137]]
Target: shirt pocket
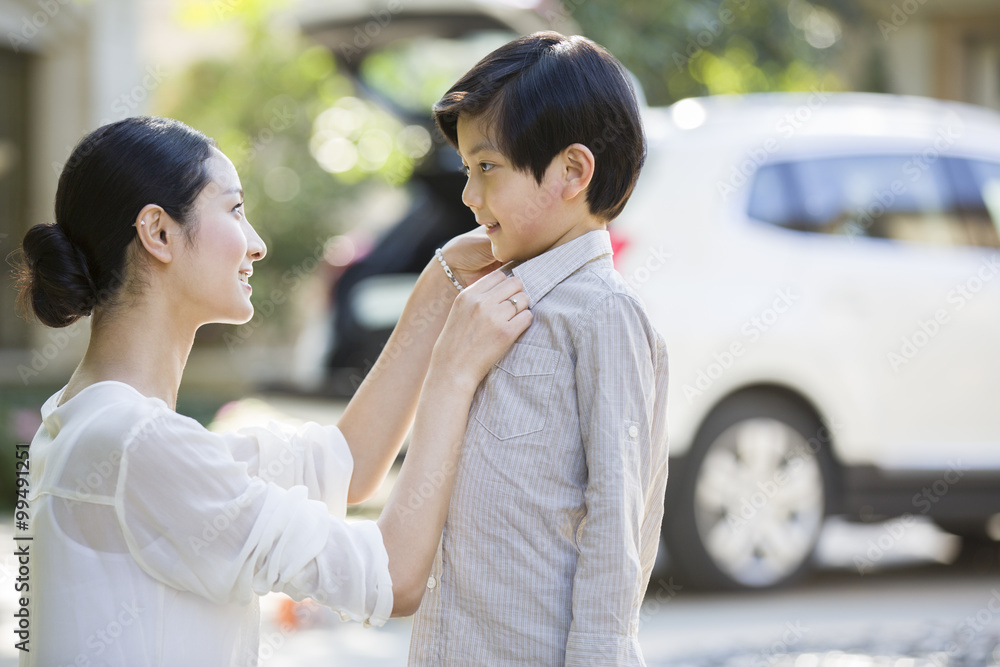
[[517, 391]]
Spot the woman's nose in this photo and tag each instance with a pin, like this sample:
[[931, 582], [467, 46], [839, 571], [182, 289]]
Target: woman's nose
[[256, 249]]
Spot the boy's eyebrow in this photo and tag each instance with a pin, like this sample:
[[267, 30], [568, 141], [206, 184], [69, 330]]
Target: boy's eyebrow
[[484, 145]]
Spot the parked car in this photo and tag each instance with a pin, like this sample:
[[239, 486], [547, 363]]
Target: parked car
[[825, 269]]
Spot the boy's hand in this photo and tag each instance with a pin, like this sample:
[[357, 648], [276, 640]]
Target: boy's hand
[[470, 256]]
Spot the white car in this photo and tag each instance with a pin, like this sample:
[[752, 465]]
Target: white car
[[825, 269]]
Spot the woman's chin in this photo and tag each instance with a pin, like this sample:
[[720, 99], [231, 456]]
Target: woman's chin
[[237, 317]]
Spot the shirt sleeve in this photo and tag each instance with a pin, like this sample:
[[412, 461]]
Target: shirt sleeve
[[616, 386], [316, 457], [195, 519]]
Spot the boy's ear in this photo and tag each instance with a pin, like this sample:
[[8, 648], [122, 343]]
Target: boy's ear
[[578, 169], [158, 233]]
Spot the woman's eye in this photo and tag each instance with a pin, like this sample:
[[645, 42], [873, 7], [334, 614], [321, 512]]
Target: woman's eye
[[238, 208]]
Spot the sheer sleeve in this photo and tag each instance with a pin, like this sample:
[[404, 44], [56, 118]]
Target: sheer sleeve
[[311, 455], [195, 519]]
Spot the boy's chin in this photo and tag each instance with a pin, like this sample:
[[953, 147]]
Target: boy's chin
[[500, 253]]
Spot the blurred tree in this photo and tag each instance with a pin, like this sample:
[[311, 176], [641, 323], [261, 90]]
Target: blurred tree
[[680, 48], [288, 120]]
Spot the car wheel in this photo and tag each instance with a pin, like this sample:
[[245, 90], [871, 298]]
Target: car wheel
[[748, 508]]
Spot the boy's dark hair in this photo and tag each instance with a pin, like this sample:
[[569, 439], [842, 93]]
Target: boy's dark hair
[[545, 91]]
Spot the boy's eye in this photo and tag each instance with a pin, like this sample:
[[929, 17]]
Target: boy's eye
[[465, 169], [486, 166]]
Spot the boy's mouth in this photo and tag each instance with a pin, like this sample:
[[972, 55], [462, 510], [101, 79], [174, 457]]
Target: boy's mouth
[[491, 226]]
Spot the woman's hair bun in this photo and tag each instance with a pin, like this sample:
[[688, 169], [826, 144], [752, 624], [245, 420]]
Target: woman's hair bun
[[54, 277]]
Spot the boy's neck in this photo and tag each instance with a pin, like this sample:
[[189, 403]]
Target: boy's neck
[[588, 224]]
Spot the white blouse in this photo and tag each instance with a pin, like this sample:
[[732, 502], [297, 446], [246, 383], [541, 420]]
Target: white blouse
[[153, 537]]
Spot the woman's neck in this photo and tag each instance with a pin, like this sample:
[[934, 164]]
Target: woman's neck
[[140, 345]]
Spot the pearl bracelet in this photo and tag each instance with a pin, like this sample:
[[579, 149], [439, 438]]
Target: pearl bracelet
[[447, 270]]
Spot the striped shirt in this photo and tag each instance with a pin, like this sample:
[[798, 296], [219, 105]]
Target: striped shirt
[[555, 517]]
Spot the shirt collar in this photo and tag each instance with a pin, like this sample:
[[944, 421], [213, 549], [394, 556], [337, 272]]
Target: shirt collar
[[540, 274]]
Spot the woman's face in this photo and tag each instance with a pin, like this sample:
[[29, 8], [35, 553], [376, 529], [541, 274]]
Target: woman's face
[[223, 249]]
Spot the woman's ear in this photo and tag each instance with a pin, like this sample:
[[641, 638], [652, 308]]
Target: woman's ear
[[578, 170], [157, 231]]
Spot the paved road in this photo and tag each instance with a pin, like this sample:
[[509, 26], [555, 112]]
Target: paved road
[[913, 612]]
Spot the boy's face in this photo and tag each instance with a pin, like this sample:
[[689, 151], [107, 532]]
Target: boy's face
[[523, 218]]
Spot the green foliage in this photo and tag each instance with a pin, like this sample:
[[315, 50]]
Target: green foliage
[[679, 48], [262, 105]]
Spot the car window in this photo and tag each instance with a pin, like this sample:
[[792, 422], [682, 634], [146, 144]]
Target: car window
[[899, 197], [978, 186], [771, 198]]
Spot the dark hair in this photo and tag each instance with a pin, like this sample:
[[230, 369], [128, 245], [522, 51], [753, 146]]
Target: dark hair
[[68, 268], [543, 92]]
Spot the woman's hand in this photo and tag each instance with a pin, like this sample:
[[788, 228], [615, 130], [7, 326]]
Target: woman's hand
[[484, 322], [470, 256]]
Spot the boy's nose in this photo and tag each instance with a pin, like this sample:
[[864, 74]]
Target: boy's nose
[[471, 196]]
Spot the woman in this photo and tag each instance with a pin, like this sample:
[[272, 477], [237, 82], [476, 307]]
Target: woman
[[153, 537]]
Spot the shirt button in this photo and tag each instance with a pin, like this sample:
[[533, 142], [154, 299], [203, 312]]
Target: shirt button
[[633, 431], [431, 583]]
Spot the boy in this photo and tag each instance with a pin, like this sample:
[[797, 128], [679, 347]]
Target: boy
[[554, 522]]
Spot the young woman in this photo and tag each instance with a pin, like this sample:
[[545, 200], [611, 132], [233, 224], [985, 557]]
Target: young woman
[[153, 537]]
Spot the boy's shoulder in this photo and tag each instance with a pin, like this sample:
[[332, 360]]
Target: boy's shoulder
[[599, 283], [598, 293]]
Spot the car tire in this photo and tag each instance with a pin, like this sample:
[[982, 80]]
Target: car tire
[[746, 507]]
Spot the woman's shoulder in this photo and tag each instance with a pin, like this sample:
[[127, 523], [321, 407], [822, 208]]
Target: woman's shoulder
[[112, 412]]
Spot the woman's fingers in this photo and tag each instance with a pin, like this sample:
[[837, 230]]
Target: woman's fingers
[[484, 322], [519, 302]]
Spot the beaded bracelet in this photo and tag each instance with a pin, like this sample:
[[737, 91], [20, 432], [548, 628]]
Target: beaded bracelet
[[447, 270]]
